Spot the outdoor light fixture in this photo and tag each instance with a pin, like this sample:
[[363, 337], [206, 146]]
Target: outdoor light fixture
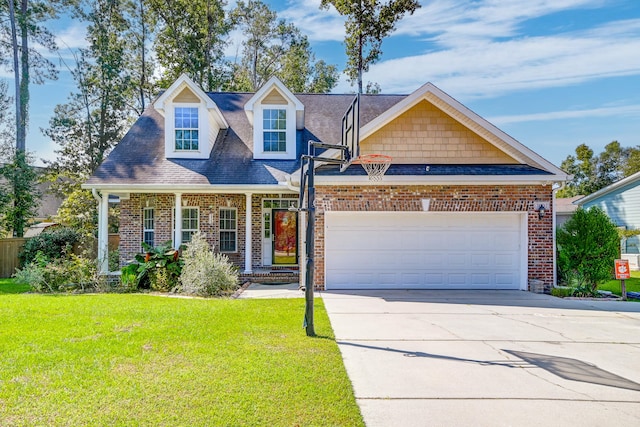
[[541, 212]]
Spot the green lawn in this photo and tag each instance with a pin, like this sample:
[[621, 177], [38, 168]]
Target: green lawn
[[633, 284], [146, 360], [8, 286]]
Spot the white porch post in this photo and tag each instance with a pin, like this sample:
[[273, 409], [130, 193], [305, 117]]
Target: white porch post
[[248, 250], [177, 237], [103, 234]]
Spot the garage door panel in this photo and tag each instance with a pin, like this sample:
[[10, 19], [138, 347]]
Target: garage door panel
[[423, 250], [481, 260]]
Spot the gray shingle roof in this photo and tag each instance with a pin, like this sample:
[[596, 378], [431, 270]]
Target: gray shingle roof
[[139, 158], [437, 170]]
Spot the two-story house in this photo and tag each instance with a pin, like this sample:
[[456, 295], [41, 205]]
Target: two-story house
[[463, 205]]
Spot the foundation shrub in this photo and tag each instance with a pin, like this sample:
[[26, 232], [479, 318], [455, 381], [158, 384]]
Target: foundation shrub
[[206, 273]]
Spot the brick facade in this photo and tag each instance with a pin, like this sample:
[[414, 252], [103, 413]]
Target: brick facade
[[131, 211], [445, 198]]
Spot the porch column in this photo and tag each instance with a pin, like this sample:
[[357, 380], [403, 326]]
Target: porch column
[[103, 234], [248, 250], [177, 237]]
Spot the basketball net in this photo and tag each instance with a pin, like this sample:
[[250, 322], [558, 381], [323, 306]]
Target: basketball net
[[375, 165]]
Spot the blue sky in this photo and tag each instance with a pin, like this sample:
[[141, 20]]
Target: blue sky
[[551, 73]]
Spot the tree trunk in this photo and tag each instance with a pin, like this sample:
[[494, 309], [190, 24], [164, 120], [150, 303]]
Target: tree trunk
[[16, 71], [24, 82]]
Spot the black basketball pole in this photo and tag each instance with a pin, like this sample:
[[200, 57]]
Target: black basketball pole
[[309, 247], [311, 219]]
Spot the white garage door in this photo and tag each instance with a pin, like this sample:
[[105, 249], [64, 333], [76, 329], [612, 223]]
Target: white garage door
[[425, 250]]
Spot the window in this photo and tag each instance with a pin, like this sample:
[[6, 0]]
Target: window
[[228, 230], [190, 223], [148, 229], [186, 128], [274, 126]]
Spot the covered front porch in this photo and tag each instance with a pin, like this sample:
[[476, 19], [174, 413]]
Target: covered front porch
[[258, 231]]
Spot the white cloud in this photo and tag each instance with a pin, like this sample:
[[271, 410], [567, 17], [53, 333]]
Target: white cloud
[[319, 25], [486, 68], [73, 37], [615, 111]]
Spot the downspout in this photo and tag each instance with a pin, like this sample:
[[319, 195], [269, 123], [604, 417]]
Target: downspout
[[554, 225], [95, 195]]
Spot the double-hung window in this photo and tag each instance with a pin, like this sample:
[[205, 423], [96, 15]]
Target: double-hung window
[[274, 127], [228, 230], [186, 128], [190, 223], [148, 226]]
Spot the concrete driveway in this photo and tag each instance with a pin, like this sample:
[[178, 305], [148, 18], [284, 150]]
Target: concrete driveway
[[488, 358]]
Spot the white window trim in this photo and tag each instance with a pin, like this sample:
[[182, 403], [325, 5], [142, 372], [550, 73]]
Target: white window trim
[[173, 220], [235, 230], [144, 225], [199, 128], [277, 131], [205, 127], [258, 132]]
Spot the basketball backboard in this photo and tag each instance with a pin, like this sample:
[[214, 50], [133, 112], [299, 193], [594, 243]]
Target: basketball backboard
[[351, 133]]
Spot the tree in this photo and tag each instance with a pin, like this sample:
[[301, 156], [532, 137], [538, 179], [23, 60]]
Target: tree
[[93, 121], [588, 243], [190, 39], [21, 193], [591, 173], [273, 47], [368, 23], [141, 25], [29, 66]]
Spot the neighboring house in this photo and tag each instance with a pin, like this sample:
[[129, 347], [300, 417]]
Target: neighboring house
[[565, 207], [459, 208], [621, 202], [48, 203]]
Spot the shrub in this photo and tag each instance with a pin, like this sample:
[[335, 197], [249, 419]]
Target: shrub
[[561, 292], [206, 273], [158, 269], [59, 275], [53, 244], [588, 244]]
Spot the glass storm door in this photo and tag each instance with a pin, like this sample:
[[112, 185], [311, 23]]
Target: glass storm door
[[285, 237]]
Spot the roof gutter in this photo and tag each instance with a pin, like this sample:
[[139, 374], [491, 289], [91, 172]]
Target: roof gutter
[[169, 188]]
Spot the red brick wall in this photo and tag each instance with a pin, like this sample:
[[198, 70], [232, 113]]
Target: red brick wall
[[131, 221], [444, 198]]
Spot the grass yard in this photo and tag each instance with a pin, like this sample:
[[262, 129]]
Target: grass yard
[[146, 360], [8, 286], [633, 284]]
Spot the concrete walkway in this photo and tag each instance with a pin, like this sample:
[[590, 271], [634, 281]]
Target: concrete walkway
[[258, 290], [488, 358]]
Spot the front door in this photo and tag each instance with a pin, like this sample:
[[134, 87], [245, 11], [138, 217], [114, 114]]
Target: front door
[[285, 237]]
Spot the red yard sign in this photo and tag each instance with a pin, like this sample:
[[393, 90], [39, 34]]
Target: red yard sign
[[622, 269]]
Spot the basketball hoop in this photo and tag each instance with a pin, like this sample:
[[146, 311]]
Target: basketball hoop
[[375, 165]]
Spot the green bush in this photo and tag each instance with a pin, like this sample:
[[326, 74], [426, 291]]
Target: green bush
[[59, 275], [561, 292], [206, 273], [588, 244], [158, 269], [53, 244]]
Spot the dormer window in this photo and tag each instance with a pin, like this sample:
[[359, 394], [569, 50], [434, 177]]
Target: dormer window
[[186, 128], [192, 121], [276, 115], [274, 126]]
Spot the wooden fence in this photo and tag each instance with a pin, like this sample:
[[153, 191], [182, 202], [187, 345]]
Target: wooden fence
[[10, 248]]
